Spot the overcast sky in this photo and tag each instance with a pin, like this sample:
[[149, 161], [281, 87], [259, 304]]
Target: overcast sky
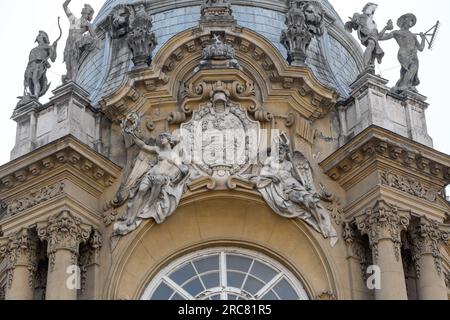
[[22, 19]]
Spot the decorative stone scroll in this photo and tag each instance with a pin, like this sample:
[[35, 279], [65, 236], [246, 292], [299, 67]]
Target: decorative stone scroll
[[36, 197], [408, 185]]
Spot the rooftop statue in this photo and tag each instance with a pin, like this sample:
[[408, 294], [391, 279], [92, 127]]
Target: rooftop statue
[[35, 81], [305, 20], [82, 38], [407, 55], [368, 34]]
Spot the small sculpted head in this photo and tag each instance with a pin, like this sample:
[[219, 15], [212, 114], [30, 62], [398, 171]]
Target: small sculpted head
[[88, 12], [370, 8]]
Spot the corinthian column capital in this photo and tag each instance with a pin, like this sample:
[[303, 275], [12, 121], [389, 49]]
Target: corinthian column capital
[[19, 249], [427, 237], [63, 232], [384, 222]]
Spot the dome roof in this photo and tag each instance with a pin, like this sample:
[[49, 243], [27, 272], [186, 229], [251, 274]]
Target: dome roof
[[335, 59]]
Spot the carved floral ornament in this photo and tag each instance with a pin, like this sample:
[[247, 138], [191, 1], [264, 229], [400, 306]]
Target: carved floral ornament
[[175, 63], [383, 221], [427, 237], [19, 250], [63, 232]]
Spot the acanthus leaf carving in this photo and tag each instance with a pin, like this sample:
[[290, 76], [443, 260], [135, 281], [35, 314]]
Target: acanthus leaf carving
[[427, 237], [383, 221], [19, 249], [63, 232]]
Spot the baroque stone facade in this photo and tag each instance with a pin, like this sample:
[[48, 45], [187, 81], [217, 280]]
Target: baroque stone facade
[[223, 135]]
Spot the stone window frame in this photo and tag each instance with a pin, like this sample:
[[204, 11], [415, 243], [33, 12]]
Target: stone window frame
[[282, 273]]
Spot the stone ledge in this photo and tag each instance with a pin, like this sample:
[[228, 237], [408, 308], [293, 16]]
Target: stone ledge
[[65, 151], [377, 144]]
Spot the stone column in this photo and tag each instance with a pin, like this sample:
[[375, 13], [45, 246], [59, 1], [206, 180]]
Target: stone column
[[427, 237], [20, 252], [358, 262], [64, 233], [90, 266], [383, 225]]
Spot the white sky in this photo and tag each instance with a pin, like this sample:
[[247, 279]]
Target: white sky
[[22, 19]]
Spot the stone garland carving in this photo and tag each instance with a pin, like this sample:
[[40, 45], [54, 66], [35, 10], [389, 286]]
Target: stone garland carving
[[81, 39], [305, 20], [19, 249], [285, 182], [383, 221], [427, 237], [408, 185], [35, 79], [63, 232], [2, 293], [368, 34], [218, 55], [155, 185], [35, 198]]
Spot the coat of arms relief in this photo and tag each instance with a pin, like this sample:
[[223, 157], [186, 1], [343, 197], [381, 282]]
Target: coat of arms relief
[[222, 136]]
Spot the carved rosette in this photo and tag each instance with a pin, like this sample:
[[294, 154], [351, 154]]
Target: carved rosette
[[63, 232], [19, 250], [383, 222], [304, 21], [427, 237]]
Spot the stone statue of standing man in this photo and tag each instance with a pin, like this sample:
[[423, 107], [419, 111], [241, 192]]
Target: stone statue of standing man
[[368, 33], [407, 55], [35, 79], [82, 38]]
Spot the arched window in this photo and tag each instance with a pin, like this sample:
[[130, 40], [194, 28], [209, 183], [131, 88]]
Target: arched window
[[225, 274]]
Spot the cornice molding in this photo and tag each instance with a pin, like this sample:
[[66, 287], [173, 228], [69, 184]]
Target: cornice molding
[[66, 154], [379, 145]]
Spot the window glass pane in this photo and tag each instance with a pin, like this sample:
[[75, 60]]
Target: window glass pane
[[216, 297], [253, 285], [232, 297], [263, 272], [270, 296], [211, 280], [184, 274], [238, 263], [177, 297], [285, 291], [194, 287], [235, 280], [207, 264], [162, 293]]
